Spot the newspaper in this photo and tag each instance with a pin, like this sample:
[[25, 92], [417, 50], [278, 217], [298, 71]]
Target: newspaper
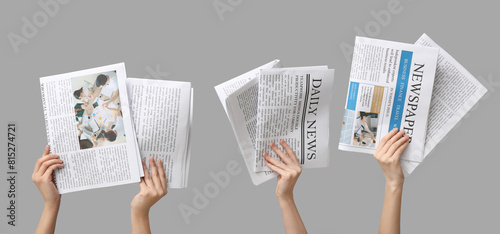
[[240, 98], [242, 118], [162, 114], [89, 126], [455, 92], [390, 87], [294, 105]]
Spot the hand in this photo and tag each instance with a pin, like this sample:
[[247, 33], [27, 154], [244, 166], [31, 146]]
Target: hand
[[153, 187], [105, 105], [42, 176], [388, 153], [289, 170]]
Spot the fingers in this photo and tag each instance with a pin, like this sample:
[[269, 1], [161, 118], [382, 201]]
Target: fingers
[[275, 168], [51, 169], [391, 141], [386, 138], [163, 178], [396, 145], [400, 150], [274, 161], [44, 157], [147, 177], [142, 184], [46, 151], [281, 154], [154, 174], [47, 163], [290, 152]]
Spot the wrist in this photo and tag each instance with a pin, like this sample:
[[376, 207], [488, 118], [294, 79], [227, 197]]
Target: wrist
[[285, 198], [52, 205], [140, 215], [394, 185], [139, 211]]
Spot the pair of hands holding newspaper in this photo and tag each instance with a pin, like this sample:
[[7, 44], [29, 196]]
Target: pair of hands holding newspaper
[[154, 186]]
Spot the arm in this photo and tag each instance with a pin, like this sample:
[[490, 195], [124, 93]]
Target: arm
[[91, 93], [114, 95], [153, 188], [289, 171], [96, 92], [118, 112], [42, 177], [94, 140], [387, 154]]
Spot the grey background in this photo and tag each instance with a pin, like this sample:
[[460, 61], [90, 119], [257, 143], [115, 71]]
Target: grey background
[[455, 190]]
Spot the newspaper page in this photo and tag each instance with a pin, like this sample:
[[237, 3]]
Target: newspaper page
[[242, 111], [294, 105], [223, 90], [390, 87], [237, 86], [89, 126], [162, 116], [455, 92]]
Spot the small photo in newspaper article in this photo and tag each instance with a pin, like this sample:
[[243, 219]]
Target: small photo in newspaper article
[[362, 115], [365, 132], [97, 110]]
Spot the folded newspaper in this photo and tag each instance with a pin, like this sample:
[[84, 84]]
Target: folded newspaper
[[162, 112], [271, 103], [455, 92], [90, 126], [375, 64], [390, 87]]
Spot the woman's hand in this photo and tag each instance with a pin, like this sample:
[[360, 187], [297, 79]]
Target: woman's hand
[[153, 187], [388, 153], [42, 176], [289, 170]]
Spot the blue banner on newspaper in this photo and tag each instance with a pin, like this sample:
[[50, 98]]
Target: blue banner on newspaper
[[401, 87], [352, 98]]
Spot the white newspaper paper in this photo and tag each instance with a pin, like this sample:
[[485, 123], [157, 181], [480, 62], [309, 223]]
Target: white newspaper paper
[[455, 92], [390, 87], [241, 118], [294, 105], [162, 113], [89, 126]]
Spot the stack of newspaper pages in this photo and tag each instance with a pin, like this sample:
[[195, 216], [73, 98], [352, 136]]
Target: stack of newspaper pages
[[102, 125], [271, 103], [417, 88]]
